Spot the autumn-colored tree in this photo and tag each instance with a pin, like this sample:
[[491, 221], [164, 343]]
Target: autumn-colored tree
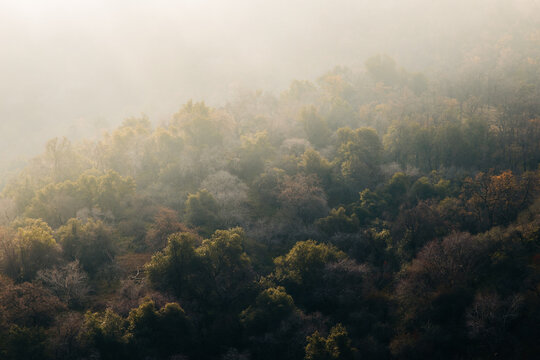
[[27, 304], [497, 199], [302, 197], [166, 222]]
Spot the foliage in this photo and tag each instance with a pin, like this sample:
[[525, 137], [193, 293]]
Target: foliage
[[92, 244], [189, 239], [28, 250], [202, 211], [336, 346]]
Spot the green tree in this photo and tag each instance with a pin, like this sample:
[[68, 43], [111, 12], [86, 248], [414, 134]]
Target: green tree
[[252, 155], [93, 244], [162, 332], [216, 273], [178, 268], [312, 163], [123, 150], [359, 156], [271, 306], [369, 206], [108, 195], [24, 343], [202, 212], [305, 261], [107, 333], [338, 222], [35, 248], [229, 267], [337, 346], [302, 269]]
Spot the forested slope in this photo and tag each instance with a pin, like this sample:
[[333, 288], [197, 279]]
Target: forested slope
[[378, 214]]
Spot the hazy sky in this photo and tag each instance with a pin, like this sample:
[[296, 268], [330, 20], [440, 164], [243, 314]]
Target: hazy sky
[[65, 62]]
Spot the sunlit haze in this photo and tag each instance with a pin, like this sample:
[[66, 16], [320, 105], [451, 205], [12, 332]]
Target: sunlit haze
[[75, 67]]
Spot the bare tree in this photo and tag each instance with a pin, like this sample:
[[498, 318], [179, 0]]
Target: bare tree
[[68, 282], [489, 317]]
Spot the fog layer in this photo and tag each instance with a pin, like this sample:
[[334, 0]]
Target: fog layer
[[77, 67]]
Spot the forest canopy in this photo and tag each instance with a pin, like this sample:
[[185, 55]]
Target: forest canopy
[[373, 213]]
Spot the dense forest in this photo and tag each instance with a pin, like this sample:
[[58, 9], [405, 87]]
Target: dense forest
[[373, 214]]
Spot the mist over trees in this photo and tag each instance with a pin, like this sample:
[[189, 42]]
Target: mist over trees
[[65, 76], [388, 210]]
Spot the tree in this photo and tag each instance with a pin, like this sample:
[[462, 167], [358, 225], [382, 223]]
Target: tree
[[57, 203], [251, 159], [64, 337], [67, 282], [264, 192], [338, 222], [202, 212], [27, 304], [302, 269], [369, 206], [92, 244], [62, 160], [199, 125], [312, 163], [396, 189], [24, 343], [489, 319], [34, 248], [343, 289], [415, 227], [8, 211], [9, 255], [216, 279], [305, 261], [165, 224], [214, 273], [177, 268], [336, 346], [359, 156], [497, 199], [231, 195], [115, 193], [302, 197], [106, 332], [434, 293], [164, 331], [230, 270], [271, 306]]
